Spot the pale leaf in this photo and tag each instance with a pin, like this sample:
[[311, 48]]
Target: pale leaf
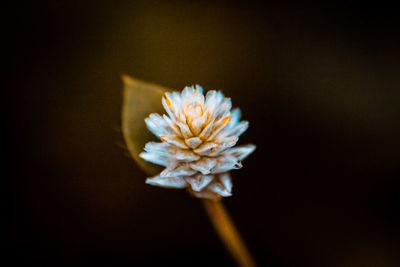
[[140, 99]]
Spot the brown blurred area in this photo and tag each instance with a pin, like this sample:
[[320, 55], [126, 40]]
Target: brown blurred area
[[319, 85]]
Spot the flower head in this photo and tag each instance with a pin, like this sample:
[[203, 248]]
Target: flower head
[[197, 142]]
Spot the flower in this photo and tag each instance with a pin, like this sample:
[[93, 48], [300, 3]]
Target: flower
[[197, 142]]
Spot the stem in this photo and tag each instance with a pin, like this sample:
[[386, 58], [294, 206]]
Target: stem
[[228, 233]]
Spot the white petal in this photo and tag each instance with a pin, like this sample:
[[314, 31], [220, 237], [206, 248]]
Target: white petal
[[198, 96], [157, 146], [156, 124], [226, 163], [242, 152], [177, 99], [185, 155], [228, 141], [155, 157], [172, 125], [219, 189], [235, 116], [219, 126], [205, 148], [204, 165], [169, 105], [169, 182], [174, 140], [186, 133], [180, 170], [187, 92], [193, 142], [207, 131], [191, 111], [235, 131], [199, 89], [197, 124], [180, 116], [213, 99], [223, 108], [240, 128], [217, 150], [226, 181], [198, 182]]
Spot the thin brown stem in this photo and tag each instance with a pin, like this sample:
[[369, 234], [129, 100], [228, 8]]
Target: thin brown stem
[[228, 233]]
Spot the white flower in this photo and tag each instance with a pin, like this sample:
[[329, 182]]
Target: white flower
[[198, 136]]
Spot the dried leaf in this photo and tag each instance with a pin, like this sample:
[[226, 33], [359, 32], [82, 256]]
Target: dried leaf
[[140, 99]]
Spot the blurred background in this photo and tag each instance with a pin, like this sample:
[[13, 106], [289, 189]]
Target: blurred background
[[319, 85]]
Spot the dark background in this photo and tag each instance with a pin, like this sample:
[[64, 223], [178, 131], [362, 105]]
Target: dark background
[[319, 85]]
